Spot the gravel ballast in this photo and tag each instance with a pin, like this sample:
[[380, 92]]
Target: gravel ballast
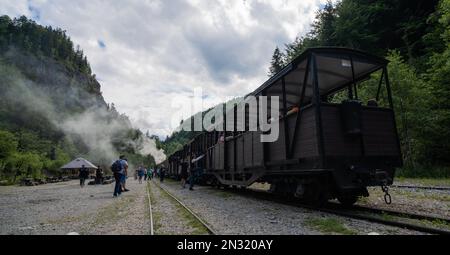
[[62, 208], [230, 213]]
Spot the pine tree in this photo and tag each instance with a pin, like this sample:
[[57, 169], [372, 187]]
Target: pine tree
[[323, 26], [277, 62]]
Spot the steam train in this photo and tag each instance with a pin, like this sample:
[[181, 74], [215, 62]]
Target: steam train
[[331, 143]]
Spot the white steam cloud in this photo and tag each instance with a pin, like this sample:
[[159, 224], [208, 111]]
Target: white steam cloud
[[99, 128]]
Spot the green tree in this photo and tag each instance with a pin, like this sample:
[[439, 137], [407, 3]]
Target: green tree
[[411, 95], [438, 122], [25, 165], [277, 62], [5, 23], [8, 146], [299, 45], [323, 26]]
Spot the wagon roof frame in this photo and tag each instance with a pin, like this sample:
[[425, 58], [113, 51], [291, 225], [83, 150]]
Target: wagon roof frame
[[293, 65]]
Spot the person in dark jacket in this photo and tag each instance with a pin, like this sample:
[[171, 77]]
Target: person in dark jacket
[[193, 177], [184, 174], [84, 174], [99, 175], [119, 168], [162, 173]]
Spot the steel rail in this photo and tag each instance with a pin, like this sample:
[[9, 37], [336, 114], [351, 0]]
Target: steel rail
[[401, 214], [150, 210], [204, 224], [394, 223]]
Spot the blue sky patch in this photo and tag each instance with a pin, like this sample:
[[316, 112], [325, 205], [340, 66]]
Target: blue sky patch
[[101, 44], [35, 12]]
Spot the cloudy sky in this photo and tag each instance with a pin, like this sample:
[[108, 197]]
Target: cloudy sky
[[149, 55]]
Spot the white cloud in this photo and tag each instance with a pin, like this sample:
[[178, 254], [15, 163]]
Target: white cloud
[[155, 49]]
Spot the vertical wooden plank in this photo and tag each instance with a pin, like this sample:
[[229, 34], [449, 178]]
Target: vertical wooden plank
[[317, 106]]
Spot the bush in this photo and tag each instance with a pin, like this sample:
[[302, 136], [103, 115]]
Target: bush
[[424, 172]]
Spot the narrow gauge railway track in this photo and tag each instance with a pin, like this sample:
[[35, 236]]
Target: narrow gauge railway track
[[401, 214], [152, 232], [200, 220], [420, 187], [356, 212]]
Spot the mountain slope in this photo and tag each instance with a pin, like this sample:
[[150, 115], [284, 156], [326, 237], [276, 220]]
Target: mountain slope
[[52, 108]]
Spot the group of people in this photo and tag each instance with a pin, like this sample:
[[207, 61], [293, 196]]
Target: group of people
[[84, 174], [120, 172], [148, 174], [143, 174]]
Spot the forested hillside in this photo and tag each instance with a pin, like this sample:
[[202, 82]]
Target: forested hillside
[[51, 106]]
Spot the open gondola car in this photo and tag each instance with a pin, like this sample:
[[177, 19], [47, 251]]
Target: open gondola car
[[327, 148]]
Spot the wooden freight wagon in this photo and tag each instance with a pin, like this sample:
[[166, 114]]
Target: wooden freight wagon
[[333, 142]]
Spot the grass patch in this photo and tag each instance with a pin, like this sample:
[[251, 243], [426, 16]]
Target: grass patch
[[411, 194], [424, 172], [170, 180], [190, 220], [440, 197], [330, 226], [426, 196], [199, 229], [425, 181], [386, 216], [437, 223], [364, 200], [147, 205], [223, 194], [156, 215]]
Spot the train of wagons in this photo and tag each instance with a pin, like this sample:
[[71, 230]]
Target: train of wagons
[[335, 139]]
